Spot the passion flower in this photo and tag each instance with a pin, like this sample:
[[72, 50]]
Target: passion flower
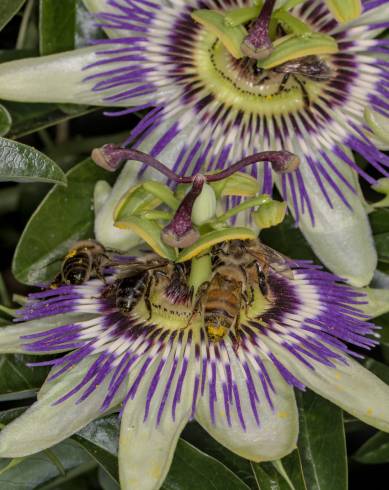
[[161, 367], [212, 107]]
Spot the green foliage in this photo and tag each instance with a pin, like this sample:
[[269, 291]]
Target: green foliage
[[21, 163], [65, 216], [8, 8]]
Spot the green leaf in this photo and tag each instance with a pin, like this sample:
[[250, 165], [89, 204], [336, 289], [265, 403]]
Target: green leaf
[[322, 443], [64, 216], [191, 465], [375, 450], [100, 440], [22, 163], [8, 8], [288, 239], [28, 118], [17, 380], [106, 481], [57, 26], [198, 437], [5, 121], [286, 474], [41, 470], [382, 245]]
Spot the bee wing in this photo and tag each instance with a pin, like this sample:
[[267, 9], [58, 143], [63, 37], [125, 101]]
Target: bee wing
[[275, 260]]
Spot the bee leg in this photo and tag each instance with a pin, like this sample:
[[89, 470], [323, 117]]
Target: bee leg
[[306, 99], [198, 301], [284, 81], [237, 340], [147, 300]]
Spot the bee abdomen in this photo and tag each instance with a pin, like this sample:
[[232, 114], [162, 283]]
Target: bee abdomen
[[77, 269], [129, 291]]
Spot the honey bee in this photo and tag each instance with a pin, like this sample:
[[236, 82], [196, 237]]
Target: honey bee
[[136, 281], [238, 268], [311, 67], [83, 261]]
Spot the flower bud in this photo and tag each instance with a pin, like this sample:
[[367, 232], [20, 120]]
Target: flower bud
[[270, 214], [204, 207]]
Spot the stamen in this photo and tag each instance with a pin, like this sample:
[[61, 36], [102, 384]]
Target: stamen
[[180, 232], [258, 44], [112, 156]]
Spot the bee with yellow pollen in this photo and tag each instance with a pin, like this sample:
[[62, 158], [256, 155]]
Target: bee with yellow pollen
[[210, 324]]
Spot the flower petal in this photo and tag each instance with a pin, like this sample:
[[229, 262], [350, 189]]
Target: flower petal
[[378, 302], [147, 442], [10, 341], [124, 240], [53, 78], [340, 237], [45, 424], [350, 386], [276, 434]]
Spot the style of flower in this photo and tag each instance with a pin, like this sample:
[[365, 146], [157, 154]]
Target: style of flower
[[163, 368], [205, 100]]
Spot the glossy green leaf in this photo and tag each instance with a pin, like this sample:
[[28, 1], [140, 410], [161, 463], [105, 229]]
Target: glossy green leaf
[[192, 465], [44, 470], [106, 481], [199, 437], [375, 450], [22, 163], [28, 118], [57, 25], [8, 8], [5, 121], [17, 380], [100, 440], [288, 239], [382, 245], [379, 220], [64, 216], [286, 474], [321, 443]]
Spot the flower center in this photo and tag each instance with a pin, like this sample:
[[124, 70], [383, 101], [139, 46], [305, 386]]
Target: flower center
[[241, 84]]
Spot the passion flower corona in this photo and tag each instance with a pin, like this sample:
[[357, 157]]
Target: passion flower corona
[[213, 100]]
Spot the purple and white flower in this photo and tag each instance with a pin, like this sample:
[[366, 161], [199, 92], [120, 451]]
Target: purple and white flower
[[208, 110], [162, 373]]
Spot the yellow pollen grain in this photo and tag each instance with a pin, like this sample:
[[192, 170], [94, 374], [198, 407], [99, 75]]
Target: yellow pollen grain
[[283, 415], [370, 411], [216, 330], [155, 472], [338, 376]]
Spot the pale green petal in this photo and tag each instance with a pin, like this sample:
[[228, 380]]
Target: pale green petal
[[341, 238], [146, 448], [378, 302], [96, 6], [45, 424], [275, 437], [10, 342], [53, 78], [351, 386], [124, 240]]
